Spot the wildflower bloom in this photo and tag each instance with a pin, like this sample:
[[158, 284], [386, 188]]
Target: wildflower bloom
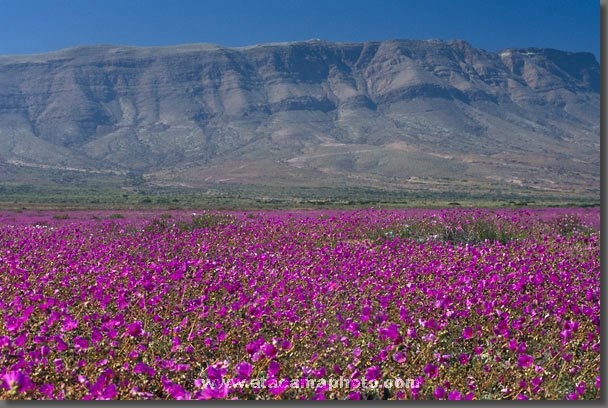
[[279, 388], [268, 293], [572, 396], [373, 373], [524, 360], [21, 340], [69, 324], [243, 369], [4, 341], [400, 357], [219, 391], [109, 392], [142, 368], [391, 332], [439, 392], [47, 390], [174, 390], [80, 343], [17, 380], [580, 388], [286, 345], [536, 383], [467, 332], [135, 329], [273, 368], [354, 395], [214, 373], [431, 370], [454, 395], [269, 350]]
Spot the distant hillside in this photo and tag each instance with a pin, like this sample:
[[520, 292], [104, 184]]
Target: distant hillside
[[397, 114]]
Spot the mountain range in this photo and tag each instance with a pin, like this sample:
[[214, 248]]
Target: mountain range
[[399, 115]]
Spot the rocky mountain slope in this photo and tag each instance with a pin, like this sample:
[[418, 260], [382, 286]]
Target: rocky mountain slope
[[397, 114]]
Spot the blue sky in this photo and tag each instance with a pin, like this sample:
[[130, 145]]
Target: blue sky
[[32, 26]]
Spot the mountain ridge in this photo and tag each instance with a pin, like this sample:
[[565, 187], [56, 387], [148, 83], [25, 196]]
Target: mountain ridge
[[390, 113]]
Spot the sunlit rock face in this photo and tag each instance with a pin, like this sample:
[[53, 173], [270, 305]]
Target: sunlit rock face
[[394, 110]]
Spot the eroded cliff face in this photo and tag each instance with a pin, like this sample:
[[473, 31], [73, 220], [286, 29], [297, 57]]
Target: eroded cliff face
[[394, 110]]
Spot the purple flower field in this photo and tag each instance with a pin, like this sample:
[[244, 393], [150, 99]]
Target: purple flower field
[[455, 303]]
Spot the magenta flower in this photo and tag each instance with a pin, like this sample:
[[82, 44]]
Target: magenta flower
[[525, 360], [366, 310], [59, 367], [80, 343], [109, 392], [536, 383], [454, 395], [243, 369], [47, 390], [13, 324], [286, 345], [252, 347], [319, 373], [175, 391], [213, 392], [373, 373], [463, 358], [400, 357], [175, 343], [135, 329], [21, 340], [69, 324], [4, 341], [431, 370], [269, 350], [390, 332], [566, 335], [279, 388], [142, 368], [319, 393], [580, 388], [17, 380], [571, 325], [522, 347], [354, 395], [273, 368], [467, 332], [214, 373], [96, 335], [439, 392]]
